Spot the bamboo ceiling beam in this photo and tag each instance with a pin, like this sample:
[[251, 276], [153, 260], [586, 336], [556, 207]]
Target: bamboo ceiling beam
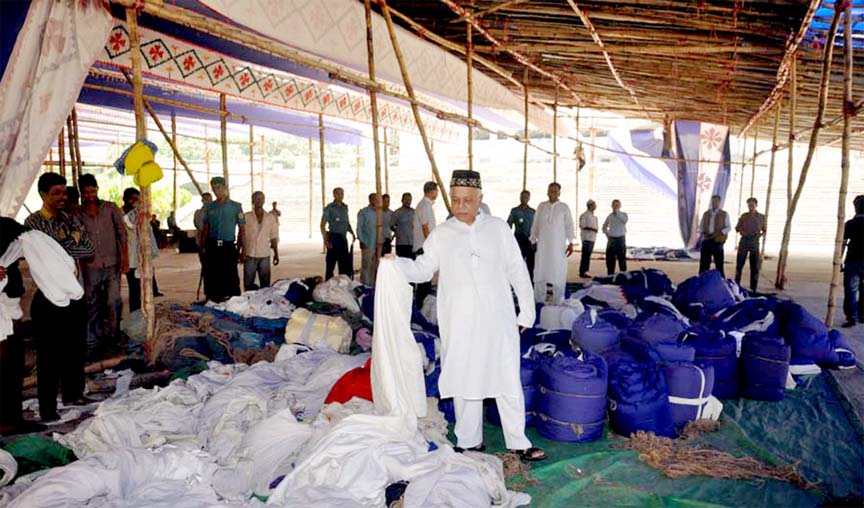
[[460, 11], [469, 64], [490, 10], [599, 42], [784, 70]]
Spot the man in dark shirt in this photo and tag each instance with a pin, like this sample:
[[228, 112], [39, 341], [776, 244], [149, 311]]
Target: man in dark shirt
[[60, 331], [103, 222], [402, 224], [751, 227], [521, 218], [334, 228], [853, 267], [222, 219]]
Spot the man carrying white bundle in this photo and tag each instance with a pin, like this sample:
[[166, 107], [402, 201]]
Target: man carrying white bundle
[[478, 262]]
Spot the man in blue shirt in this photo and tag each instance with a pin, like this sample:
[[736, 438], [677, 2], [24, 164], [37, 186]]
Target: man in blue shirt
[[220, 252], [367, 233], [334, 226], [520, 220]]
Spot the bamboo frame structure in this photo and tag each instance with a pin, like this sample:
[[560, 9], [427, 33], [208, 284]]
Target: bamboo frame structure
[[78, 161], [780, 281], [251, 160], [145, 256], [311, 184], [171, 139], [70, 132], [469, 64], [174, 158], [525, 133], [370, 54], [386, 163], [385, 11], [770, 178], [753, 171], [793, 110], [321, 160], [741, 180], [61, 157], [555, 139], [844, 164], [223, 136]]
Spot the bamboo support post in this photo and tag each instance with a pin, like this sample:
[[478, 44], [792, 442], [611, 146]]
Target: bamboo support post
[[207, 153], [77, 138], [525, 133], [386, 163], [592, 159], [263, 159], [174, 157], [741, 180], [50, 168], [311, 183], [555, 142], [577, 168], [171, 140], [385, 11], [793, 110], [469, 61], [61, 157], [145, 255], [780, 281], [770, 178], [223, 137], [373, 99], [844, 164], [251, 160], [321, 159], [70, 133], [753, 172]]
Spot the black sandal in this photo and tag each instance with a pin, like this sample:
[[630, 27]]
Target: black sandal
[[479, 448], [532, 454]]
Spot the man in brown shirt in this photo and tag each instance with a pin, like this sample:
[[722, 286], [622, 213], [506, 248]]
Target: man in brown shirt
[[751, 227], [104, 225], [715, 228]]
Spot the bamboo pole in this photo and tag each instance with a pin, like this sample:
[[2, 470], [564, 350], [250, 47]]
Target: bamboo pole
[[770, 178], [741, 181], [77, 138], [844, 150], [263, 158], [251, 160], [174, 140], [780, 281], [578, 169], [793, 110], [207, 153], [593, 154], [385, 11], [311, 183], [223, 137], [555, 142], [70, 132], [50, 168], [469, 61], [386, 164], [171, 139], [525, 132], [321, 159], [753, 172], [373, 97], [145, 256]]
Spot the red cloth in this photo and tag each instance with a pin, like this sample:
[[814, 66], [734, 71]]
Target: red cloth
[[355, 383]]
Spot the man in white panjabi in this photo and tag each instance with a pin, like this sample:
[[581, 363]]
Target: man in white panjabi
[[478, 261], [553, 233]]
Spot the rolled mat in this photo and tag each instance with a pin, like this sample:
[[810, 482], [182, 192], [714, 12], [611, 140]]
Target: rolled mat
[[763, 368], [690, 387]]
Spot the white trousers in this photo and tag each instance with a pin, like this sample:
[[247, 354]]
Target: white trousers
[[469, 422]]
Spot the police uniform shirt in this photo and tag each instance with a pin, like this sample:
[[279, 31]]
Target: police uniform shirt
[[521, 220], [223, 219], [336, 217]]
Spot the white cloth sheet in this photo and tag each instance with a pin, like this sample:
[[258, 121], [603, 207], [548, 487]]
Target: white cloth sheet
[[8, 467], [52, 269], [339, 291]]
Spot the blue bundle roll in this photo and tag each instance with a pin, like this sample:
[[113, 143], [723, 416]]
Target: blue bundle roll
[[639, 284], [689, 389], [704, 295], [571, 405], [806, 335], [714, 348], [764, 367], [655, 337], [598, 331], [638, 397], [298, 293], [845, 355], [751, 315]]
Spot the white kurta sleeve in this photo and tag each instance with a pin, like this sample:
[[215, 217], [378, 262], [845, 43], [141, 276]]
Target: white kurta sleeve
[[535, 229], [424, 267], [568, 224], [517, 276]]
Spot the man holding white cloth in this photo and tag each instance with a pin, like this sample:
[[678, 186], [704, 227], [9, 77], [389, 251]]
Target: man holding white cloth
[[478, 261]]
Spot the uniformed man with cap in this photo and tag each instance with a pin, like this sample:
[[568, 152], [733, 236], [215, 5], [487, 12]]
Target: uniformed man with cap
[[478, 262], [520, 219], [334, 227], [223, 245]]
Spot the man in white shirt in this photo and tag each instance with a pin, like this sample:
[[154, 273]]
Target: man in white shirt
[[715, 228], [262, 235], [552, 231], [478, 261], [424, 224], [588, 227], [615, 229]]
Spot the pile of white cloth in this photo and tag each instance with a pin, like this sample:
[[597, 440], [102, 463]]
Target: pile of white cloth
[[267, 303], [339, 291], [234, 431]]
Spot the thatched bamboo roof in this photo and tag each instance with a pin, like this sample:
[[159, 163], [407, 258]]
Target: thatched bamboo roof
[[711, 60]]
